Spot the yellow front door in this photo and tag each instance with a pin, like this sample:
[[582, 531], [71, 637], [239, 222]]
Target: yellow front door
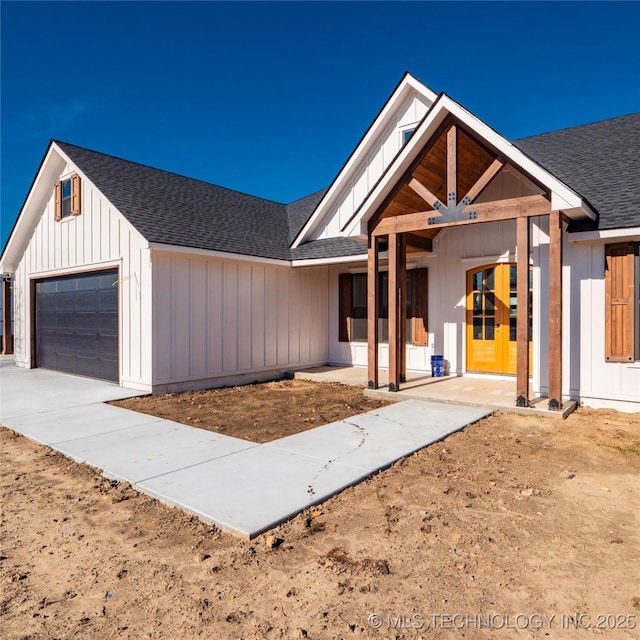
[[491, 319]]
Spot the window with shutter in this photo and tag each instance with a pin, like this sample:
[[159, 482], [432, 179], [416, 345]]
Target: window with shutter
[[68, 197], [75, 195], [58, 201], [621, 294]]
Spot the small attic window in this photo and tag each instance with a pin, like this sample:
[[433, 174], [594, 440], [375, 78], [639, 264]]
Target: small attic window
[[67, 197], [406, 134]]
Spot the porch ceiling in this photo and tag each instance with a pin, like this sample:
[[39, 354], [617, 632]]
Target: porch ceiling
[[453, 161]]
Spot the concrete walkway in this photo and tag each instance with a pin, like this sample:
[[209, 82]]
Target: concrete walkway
[[238, 485]]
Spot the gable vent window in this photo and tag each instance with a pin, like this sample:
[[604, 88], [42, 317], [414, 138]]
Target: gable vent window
[[406, 135], [68, 197]]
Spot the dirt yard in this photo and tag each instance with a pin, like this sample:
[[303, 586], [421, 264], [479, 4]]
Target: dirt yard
[[516, 527], [261, 412]]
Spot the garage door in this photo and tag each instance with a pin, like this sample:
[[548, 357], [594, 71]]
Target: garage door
[[76, 324]]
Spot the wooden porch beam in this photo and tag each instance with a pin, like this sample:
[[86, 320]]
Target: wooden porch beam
[[424, 193], [373, 269], [523, 236], [401, 224], [452, 169], [555, 311], [486, 212], [419, 242], [484, 180], [510, 208], [394, 360], [407, 175]]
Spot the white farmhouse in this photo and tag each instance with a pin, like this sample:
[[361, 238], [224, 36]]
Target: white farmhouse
[[437, 237]]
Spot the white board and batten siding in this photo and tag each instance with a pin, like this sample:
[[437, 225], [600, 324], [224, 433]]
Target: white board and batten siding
[[602, 384], [362, 178], [222, 321], [99, 238]]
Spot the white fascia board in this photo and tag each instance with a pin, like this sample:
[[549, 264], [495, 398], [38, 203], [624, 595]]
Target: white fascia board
[[39, 193], [407, 84], [78, 171], [221, 255], [21, 230], [357, 225], [605, 235], [563, 198], [318, 262]]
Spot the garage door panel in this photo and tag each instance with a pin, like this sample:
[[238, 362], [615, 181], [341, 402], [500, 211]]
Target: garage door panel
[[107, 298], [77, 324], [86, 300]]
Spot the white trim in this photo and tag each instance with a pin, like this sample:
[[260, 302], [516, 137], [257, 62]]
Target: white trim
[[597, 237], [20, 233], [407, 84], [76, 269], [312, 262], [563, 198], [222, 255]]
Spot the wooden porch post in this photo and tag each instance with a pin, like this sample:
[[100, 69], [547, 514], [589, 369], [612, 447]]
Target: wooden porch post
[[555, 311], [372, 312], [7, 342], [394, 359], [402, 306], [522, 320]]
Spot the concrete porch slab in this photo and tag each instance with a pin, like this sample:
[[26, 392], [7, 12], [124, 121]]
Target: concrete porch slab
[[477, 390]]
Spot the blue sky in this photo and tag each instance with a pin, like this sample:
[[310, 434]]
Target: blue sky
[[270, 98]]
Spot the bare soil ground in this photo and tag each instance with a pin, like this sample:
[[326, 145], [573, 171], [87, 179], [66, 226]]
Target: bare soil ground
[[259, 412], [520, 520]]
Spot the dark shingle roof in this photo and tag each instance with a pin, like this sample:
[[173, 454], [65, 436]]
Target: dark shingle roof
[[601, 162], [172, 209], [329, 248], [300, 211]]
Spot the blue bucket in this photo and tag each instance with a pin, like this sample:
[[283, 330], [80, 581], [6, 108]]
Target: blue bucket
[[437, 366]]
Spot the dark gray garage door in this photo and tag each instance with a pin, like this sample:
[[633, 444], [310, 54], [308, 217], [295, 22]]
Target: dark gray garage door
[[76, 324]]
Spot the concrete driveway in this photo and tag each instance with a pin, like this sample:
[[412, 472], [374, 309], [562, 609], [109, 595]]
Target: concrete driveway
[[238, 485]]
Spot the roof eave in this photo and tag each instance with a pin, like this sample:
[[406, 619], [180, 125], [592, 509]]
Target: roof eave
[[407, 83], [19, 231], [563, 197]]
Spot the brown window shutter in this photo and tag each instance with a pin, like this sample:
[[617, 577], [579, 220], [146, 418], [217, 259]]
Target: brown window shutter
[[344, 286], [619, 308], [75, 195], [419, 298], [58, 210]]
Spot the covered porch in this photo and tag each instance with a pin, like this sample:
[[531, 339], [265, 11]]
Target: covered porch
[[475, 390], [459, 178]]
